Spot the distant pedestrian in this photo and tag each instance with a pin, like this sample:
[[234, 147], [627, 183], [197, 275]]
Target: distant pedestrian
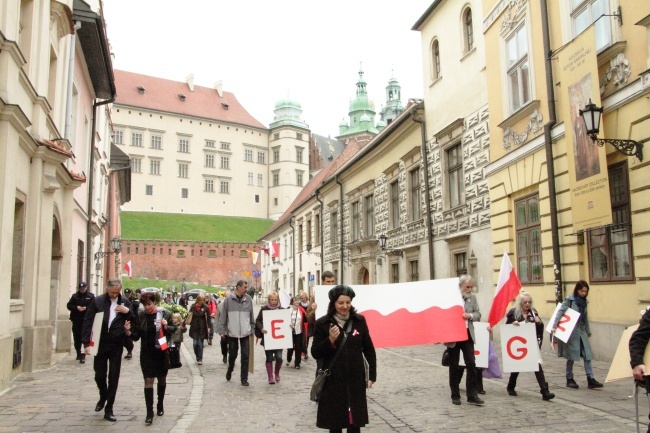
[[78, 304], [236, 323], [223, 342], [199, 317], [115, 327], [182, 301], [298, 326], [272, 303], [211, 303]]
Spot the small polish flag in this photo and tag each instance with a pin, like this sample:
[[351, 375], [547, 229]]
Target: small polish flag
[[508, 287], [128, 269], [162, 341]]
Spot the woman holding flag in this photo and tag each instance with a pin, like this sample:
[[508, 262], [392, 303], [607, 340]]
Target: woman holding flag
[[154, 327]]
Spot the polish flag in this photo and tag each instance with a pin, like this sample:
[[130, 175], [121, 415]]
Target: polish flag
[[128, 269], [508, 288], [274, 249], [407, 314], [162, 340]]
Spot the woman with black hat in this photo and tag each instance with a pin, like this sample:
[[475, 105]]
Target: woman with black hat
[[343, 402]]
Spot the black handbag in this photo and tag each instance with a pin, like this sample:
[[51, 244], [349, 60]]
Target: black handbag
[[321, 375], [174, 355], [445, 358]]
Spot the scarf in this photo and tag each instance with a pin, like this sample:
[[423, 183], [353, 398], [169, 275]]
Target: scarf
[[341, 319], [304, 304], [582, 304], [271, 307]]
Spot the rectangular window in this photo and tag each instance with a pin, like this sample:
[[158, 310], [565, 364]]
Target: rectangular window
[[586, 12], [225, 146], [184, 145], [299, 135], [460, 260], [300, 238], [610, 247], [209, 185], [184, 193], [394, 273], [276, 136], [355, 221], [209, 143], [248, 155], [260, 180], [209, 160], [416, 201], [250, 178], [334, 228], [299, 155], [261, 158], [299, 176], [156, 142], [276, 179], [394, 205], [276, 155], [529, 239], [154, 167], [308, 233], [518, 68], [414, 266], [369, 209], [183, 170], [136, 165], [136, 139], [275, 201], [148, 190], [224, 187], [225, 163], [257, 198], [317, 230], [118, 136], [455, 175]]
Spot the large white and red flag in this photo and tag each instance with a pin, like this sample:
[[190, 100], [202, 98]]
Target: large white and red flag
[[508, 287], [406, 314], [128, 269]]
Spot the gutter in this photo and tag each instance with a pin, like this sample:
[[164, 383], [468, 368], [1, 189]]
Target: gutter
[[320, 230], [293, 256], [341, 273]]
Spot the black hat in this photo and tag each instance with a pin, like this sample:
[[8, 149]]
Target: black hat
[[83, 285], [127, 291], [341, 290], [138, 291]]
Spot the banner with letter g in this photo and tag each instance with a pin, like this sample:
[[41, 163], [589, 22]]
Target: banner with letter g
[[519, 348]]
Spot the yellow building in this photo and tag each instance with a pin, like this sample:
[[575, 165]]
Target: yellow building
[[532, 50]]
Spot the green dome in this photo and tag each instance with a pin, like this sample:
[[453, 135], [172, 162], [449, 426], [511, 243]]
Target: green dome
[[287, 103]]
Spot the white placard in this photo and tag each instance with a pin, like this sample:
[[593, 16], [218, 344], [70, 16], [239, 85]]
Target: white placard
[[481, 345], [96, 333], [519, 349], [278, 332], [565, 325]]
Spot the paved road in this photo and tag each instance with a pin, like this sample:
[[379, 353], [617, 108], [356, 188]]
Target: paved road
[[411, 395]]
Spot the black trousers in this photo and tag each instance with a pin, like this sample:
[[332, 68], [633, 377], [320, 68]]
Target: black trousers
[[107, 364], [539, 375], [233, 348], [128, 345], [298, 348], [77, 326], [224, 345], [467, 347]]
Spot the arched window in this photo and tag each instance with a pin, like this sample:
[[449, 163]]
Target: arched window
[[468, 30], [435, 59]]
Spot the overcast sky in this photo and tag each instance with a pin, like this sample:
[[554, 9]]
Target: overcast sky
[[264, 50]]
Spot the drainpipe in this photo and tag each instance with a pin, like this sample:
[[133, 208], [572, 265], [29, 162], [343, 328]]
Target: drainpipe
[[427, 200], [341, 224], [293, 256], [320, 230], [91, 186], [68, 105], [550, 164]]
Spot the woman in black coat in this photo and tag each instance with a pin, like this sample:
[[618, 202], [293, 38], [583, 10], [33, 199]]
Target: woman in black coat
[[199, 327], [153, 322], [343, 399]]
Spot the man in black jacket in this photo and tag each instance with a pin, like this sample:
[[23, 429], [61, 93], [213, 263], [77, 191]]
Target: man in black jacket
[[78, 304], [116, 326]]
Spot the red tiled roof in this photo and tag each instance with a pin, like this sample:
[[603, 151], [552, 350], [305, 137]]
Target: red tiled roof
[[75, 176], [163, 95], [55, 147]]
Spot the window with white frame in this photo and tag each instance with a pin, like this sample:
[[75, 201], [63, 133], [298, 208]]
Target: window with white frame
[[209, 185], [183, 170], [299, 135], [356, 223], [248, 155], [369, 209], [299, 178], [334, 228], [156, 142], [148, 190], [209, 143], [224, 186], [455, 175], [154, 167], [435, 60], [519, 89], [136, 139], [261, 158], [529, 239], [394, 272], [209, 160], [184, 145], [299, 155], [260, 180], [276, 178], [276, 155], [414, 267], [416, 202], [586, 12], [118, 136], [250, 178], [225, 163], [468, 30], [136, 165], [185, 193], [460, 263], [394, 205], [225, 146]]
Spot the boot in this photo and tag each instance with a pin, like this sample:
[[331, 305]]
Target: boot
[[210, 341], [269, 372], [278, 366], [161, 398], [570, 383], [546, 394], [148, 398], [479, 381], [593, 383], [512, 383]]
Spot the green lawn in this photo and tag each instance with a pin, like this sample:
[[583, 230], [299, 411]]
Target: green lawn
[[148, 225]]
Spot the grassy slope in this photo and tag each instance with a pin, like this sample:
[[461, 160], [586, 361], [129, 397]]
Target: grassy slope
[[147, 225]]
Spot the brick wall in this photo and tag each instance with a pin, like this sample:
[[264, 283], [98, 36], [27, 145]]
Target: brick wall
[[219, 263]]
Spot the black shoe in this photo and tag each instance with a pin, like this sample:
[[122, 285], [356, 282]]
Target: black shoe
[[108, 416], [210, 341], [149, 419], [78, 357], [244, 382], [455, 401], [82, 360], [161, 410], [547, 395], [225, 359], [482, 391], [512, 392], [228, 374], [100, 405], [570, 383], [128, 356], [593, 383], [297, 367], [475, 400]]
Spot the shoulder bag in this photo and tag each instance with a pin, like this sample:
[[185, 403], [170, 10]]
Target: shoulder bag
[[321, 375]]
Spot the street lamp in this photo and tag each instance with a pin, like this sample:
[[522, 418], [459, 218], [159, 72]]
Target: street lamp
[[309, 250], [116, 246], [591, 115], [382, 244]]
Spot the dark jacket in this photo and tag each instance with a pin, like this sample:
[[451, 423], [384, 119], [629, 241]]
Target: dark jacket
[[199, 325], [346, 385], [79, 300], [530, 318], [109, 337], [141, 329], [639, 341]]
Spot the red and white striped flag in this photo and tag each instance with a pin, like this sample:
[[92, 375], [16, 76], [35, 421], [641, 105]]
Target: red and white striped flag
[[128, 269], [508, 288]]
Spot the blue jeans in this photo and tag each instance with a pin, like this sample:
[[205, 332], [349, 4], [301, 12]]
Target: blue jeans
[[569, 369], [276, 352], [198, 349]]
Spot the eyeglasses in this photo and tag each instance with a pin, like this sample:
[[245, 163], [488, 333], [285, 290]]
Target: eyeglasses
[[526, 302]]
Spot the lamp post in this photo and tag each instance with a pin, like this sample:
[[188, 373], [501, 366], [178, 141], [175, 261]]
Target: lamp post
[[116, 246], [591, 115], [309, 246], [382, 244]]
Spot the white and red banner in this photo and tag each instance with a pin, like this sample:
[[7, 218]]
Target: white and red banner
[[96, 333], [407, 314], [508, 287], [481, 345], [565, 325], [519, 349], [278, 332], [128, 269], [285, 299]]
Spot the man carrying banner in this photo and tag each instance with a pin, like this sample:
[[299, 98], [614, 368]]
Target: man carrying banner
[[471, 314]]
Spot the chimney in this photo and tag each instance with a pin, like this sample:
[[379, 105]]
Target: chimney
[[218, 86], [190, 82]]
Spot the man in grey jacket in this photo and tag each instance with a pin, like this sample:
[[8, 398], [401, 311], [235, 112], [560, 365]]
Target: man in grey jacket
[[236, 323]]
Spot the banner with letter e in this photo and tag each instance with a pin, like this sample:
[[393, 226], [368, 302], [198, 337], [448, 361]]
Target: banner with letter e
[[278, 332], [519, 349], [565, 325]]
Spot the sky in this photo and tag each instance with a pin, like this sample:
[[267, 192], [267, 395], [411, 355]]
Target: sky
[[266, 50]]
